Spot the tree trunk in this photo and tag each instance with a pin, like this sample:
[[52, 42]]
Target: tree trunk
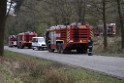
[[121, 23], [104, 22], [81, 11], [3, 5]]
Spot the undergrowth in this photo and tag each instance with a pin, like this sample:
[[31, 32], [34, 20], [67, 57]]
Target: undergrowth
[[113, 47], [19, 68]]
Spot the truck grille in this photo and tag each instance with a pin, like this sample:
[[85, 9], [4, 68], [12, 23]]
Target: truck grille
[[80, 33], [43, 44]]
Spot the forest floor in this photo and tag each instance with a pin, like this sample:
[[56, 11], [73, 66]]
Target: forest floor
[[113, 49]]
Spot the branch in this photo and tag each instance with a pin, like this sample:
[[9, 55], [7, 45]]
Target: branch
[[11, 2]]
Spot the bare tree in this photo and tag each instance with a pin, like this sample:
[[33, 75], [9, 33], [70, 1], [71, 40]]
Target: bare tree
[[28, 17], [101, 6], [121, 22], [3, 5], [10, 6], [60, 10], [104, 23], [80, 9]]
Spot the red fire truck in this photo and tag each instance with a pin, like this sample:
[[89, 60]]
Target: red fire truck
[[12, 40], [65, 38], [111, 29], [25, 39]]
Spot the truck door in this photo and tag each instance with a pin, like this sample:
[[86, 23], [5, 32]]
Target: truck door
[[52, 35]]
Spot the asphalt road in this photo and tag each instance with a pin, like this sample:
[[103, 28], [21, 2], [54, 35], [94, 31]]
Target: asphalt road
[[113, 66]]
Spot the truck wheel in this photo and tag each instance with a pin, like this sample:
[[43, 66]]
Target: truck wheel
[[22, 47], [61, 48], [18, 47], [49, 49], [38, 48], [58, 47]]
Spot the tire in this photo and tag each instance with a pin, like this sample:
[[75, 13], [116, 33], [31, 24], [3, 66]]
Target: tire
[[18, 47], [50, 50], [29, 47], [58, 47], [38, 49], [61, 48], [22, 47]]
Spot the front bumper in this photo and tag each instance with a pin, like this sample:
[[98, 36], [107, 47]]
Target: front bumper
[[40, 47]]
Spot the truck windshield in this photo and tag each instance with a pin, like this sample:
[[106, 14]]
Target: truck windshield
[[34, 40], [41, 40], [13, 39]]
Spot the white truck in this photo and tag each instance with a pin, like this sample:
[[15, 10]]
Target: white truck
[[38, 43]]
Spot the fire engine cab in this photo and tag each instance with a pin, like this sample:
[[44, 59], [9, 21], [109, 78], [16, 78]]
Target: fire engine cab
[[12, 40], [25, 39], [65, 38]]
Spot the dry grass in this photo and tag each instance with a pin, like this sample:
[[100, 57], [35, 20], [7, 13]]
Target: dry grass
[[33, 70], [113, 49], [57, 76], [18, 68]]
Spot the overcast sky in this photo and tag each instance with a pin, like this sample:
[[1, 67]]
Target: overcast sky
[[12, 8]]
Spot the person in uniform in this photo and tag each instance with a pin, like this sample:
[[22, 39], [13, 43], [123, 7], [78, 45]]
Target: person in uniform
[[90, 43], [90, 46]]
